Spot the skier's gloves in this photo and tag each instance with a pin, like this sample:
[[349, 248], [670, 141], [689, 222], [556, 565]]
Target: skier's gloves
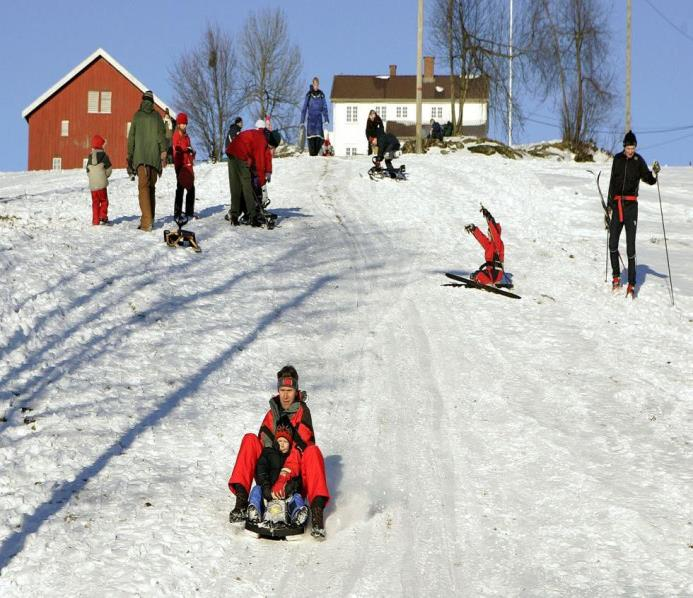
[[470, 228], [656, 168], [278, 490]]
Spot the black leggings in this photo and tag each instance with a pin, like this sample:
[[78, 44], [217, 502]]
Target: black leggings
[[189, 201], [630, 221]]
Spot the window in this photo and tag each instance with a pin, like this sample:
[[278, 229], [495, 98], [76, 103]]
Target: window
[[382, 112], [93, 102], [64, 128], [57, 163], [99, 102], [352, 114], [127, 129], [401, 112], [105, 102], [351, 151], [436, 112], [85, 162]]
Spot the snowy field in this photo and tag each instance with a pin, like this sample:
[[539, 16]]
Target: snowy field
[[475, 445]]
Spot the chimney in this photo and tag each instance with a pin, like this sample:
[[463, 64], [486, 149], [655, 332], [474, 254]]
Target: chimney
[[393, 70], [428, 69]]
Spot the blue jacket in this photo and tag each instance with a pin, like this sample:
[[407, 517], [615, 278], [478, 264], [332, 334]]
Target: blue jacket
[[315, 106]]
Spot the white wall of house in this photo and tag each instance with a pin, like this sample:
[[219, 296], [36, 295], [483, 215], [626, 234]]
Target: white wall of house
[[348, 126]]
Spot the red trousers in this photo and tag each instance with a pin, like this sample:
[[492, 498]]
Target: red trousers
[[99, 205], [312, 468]]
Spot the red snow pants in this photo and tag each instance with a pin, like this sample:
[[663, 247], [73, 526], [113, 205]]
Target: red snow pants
[[312, 468], [99, 205]]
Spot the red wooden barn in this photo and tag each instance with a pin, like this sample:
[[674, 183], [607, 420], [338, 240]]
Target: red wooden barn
[[98, 96]]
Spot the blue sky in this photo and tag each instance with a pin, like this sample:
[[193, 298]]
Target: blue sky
[[42, 40]]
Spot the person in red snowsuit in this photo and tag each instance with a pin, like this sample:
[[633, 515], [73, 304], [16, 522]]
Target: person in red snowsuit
[[183, 159], [290, 403], [491, 271], [248, 154]]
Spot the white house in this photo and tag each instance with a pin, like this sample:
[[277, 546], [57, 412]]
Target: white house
[[393, 97]]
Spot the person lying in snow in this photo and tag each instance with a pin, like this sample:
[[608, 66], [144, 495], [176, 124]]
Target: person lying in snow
[[288, 402], [278, 476], [491, 271]]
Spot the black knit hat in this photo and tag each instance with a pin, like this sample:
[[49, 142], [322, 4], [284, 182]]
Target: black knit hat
[[630, 139], [274, 138]]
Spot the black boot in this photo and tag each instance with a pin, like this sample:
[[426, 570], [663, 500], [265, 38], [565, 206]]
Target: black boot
[[241, 509], [317, 508]]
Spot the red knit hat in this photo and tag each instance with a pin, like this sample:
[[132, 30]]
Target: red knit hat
[[284, 429], [182, 118], [97, 142]]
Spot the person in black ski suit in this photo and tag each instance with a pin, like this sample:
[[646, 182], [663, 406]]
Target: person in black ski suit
[[315, 108], [374, 125], [388, 144], [628, 169], [436, 131]]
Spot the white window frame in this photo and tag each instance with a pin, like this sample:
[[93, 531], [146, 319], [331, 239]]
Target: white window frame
[[352, 114], [382, 112], [105, 104], [401, 112], [127, 129], [92, 102], [64, 128], [351, 151], [436, 112], [57, 163], [85, 161]]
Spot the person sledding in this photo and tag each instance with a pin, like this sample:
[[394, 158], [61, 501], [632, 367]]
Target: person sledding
[[627, 170], [278, 477], [388, 150], [289, 402], [491, 271]]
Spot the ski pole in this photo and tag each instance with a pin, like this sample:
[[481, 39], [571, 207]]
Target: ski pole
[[666, 248]]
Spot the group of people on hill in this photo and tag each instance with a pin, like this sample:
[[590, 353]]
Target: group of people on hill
[[153, 141]]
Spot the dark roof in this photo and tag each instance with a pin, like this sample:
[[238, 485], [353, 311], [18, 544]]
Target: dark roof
[[400, 87]]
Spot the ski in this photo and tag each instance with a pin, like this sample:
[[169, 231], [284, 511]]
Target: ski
[[468, 282]]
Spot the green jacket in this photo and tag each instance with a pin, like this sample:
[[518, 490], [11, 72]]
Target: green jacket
[[147, 137]]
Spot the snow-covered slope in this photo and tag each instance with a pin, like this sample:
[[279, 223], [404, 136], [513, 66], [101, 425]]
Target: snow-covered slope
[[475, 445]]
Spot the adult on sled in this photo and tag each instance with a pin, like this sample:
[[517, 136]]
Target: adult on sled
[[183, 159], [278, 476], [627, 170], [249, 153], [491, 271], [288, 402], [315, 107], [388, 145]]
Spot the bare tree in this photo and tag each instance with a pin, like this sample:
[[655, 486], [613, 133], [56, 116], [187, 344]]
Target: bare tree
[[205, 87], [569, 43], [471, 35], [271, 67]]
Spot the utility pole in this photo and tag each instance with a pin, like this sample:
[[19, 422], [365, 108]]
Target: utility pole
[[629, 8], [510, 80], [419, 78]]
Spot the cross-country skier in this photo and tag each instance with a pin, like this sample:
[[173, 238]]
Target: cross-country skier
[[491, 271], [288, 402], [278, 476], [628, 169]]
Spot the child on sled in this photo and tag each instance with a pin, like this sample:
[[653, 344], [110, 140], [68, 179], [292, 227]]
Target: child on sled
[[278, 476], [491, 271]]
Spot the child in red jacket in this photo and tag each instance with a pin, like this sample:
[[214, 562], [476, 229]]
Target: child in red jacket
[[183, 159], [491, 271], [278, 476]]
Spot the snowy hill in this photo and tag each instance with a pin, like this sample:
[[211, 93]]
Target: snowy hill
[[475, 445]]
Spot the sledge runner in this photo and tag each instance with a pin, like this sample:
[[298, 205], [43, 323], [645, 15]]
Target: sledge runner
[[491, 271], [627, 170], [98, 170], [278, 477], [289, 402]]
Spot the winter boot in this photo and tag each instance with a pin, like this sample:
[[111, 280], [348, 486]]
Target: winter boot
[[317, 508], [240, 510], [615, 284], [253, 514], [301, 515], [630, 291]]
